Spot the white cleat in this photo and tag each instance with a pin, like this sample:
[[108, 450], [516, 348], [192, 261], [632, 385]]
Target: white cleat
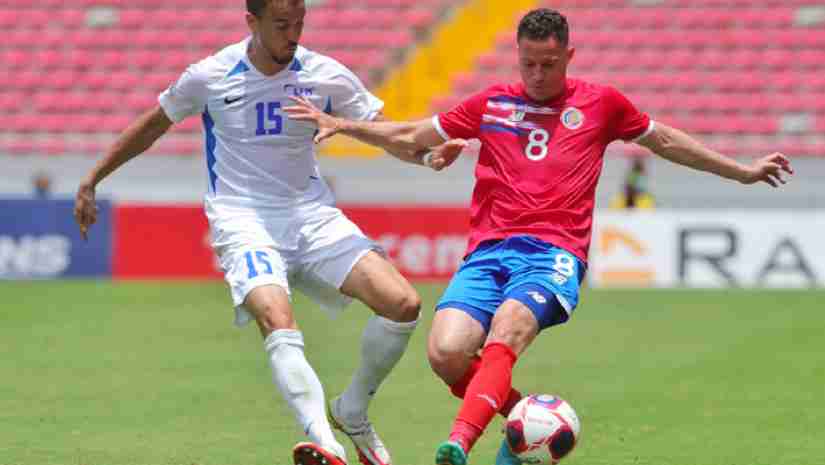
[[371, 450]]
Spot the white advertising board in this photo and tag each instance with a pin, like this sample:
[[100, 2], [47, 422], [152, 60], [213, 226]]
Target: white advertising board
[[708, 248]]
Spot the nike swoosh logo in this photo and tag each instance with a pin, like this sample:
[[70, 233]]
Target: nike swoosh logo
[[229, 101], [316, 177]]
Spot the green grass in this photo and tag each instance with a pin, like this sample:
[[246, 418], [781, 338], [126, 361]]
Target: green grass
[[150, 373]]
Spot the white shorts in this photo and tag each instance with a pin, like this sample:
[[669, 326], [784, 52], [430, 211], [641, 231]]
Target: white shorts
[[312, 249]]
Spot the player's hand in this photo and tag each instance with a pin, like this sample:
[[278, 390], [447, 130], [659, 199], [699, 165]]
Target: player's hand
[[85, 210], [304, 110], [445, 154], [768, 169]]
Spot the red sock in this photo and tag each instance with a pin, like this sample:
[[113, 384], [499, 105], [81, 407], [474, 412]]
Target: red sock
[[512, 400], [488, 391], [459, 388]]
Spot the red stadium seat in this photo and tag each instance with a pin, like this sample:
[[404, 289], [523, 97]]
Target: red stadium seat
[[132, 18], [168, 20], [82, 123], [351, 17], [192, 124], [26, 81], [114, 123], [79, 59], [14, 59], [52, 146], [61, 80], [11, 102], [390, 18], [729, 67], [25, 123], [398, 39], [47, 38], [94, 80], [53, 122], [712, 65], [17, 38], [72, 18], [815, 81], [492, 61], [209, 39], [138, 102], [814, 58], [420, 18], [160, 79], [110, 60], [143, 59], [8, 18]]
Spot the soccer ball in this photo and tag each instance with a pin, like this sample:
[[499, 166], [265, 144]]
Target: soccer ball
[[542, 429]]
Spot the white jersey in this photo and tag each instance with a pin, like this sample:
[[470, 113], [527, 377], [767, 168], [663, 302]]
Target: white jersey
[[255, 155]]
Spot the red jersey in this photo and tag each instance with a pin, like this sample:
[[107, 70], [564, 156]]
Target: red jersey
[[540, 161]]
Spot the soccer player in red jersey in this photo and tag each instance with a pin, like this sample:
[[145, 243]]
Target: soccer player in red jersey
[[542, 144]]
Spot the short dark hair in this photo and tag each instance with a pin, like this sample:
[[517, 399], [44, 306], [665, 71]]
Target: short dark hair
[[543, 23], [256, 7]]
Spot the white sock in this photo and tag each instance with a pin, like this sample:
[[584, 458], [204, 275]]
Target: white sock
[[300, 386], [382, 345]]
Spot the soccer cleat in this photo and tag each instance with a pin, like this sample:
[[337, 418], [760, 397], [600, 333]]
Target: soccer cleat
[[371, 450], [450, 453], [505, 455], [308, 453]]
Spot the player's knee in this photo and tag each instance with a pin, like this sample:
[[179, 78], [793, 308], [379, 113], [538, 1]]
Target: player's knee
[[407, 308], [411, 306], [271, 317], [447, 362], [516, 338]]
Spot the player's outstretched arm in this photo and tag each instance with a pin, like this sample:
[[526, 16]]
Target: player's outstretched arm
[[678, 147], [133, 141], [437, 158], [409, 141]]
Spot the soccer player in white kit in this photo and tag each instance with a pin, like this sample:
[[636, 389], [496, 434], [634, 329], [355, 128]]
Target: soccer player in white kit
[[272, 217]]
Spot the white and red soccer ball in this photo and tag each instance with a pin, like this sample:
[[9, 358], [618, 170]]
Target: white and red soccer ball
[[542, 429]]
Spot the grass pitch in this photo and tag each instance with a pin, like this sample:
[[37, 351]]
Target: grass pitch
[[101, 373]]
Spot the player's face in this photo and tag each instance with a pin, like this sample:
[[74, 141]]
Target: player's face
[[278, 28], [543, 66]]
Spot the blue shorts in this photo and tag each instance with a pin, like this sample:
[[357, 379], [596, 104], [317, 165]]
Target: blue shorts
[[543, 277]]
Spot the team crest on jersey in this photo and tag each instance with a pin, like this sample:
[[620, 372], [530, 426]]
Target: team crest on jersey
[[517, 115], [572, 118]]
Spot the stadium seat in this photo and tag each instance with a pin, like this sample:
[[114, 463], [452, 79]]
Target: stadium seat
[[420, 18], [92, 78], [820, 125], [733, 67], [727, 69], [10, 102], [25, 81], [72, 18], [15, 59], [8, 18], [61, 80], [121, 80]]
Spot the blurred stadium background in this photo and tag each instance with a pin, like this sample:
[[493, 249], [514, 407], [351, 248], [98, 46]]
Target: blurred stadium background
[[746, 77]]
